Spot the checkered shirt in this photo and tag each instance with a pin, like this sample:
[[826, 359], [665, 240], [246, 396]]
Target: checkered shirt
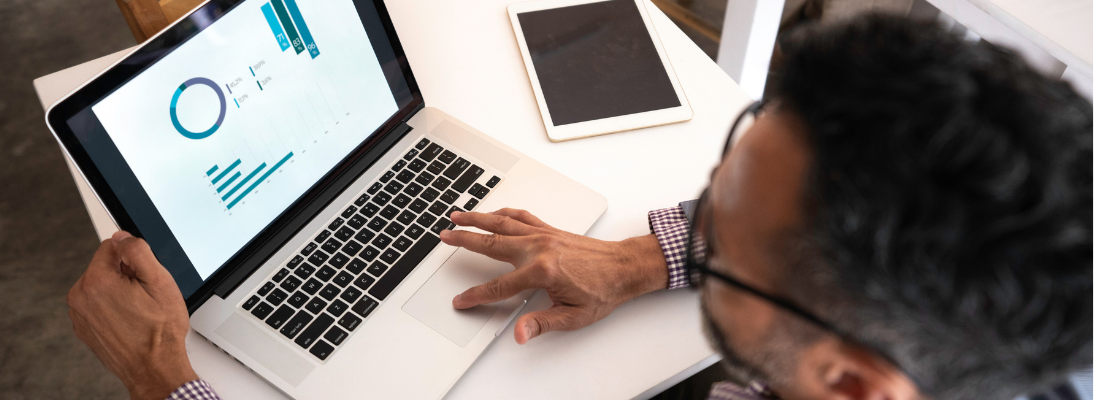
[[194, 390], [671, 227]]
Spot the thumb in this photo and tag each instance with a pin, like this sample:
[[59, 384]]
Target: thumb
[[138, 261], [556, 318]]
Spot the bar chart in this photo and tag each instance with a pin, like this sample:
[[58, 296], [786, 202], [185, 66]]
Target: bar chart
[[290, 29], [236, 189]]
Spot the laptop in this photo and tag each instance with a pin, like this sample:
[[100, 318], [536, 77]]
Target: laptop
[[279, 159]]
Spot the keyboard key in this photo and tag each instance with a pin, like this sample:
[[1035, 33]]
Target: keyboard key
[[406, 217], [492, 183], [364, 281], [401, 201], [339, 260], [447, 156], [424, 178], [357, 221], [382, 198], [414, 231], [468, 178], [452, 211], [311, 286], [283, 272], [321, 236], [406, 176], [356, 266], [389, 212], [305, 271], [343, 278], [369, 253], [344, 233], [381, 241], [429, 195], [325, 273], [266, 289], [290, 284], [318, 258], [321, 350], [394, 187], [295, 261], [456, 169], [315, 329], [413, 189], [402, 243], [427, 219], [364, 306], [386, 177], [369, 210], [422, 144], [359, 202], [482, 193], [331, 246], [349, 322], [335, 335], [394, 229], [429, 153], [389, 256], [410, 154], [279, 317], [403, 267], [470, 204], [296, 324], [364, 236], [262, 310], [377, 268], [377, 224], [418, 206], [449, 197], [475, 188], [398, 165], [440, 225], [256, 299], [297, 299], [348, 212], [337, 307], [309, 249], [417, 165], [330, 292], [374, 188], [276, 297], [441, 183], [316, 305], [437, 208], [350, 294], [351, 248], [436, 167], [335, 224]]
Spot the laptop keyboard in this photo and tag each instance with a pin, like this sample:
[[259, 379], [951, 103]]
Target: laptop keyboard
[[326, 289]]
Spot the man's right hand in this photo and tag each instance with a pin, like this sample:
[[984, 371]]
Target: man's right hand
[[586, 278]]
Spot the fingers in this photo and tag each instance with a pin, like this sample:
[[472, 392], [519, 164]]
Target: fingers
[[138, 259], [556, 318], [522, 216], [500, 288], [498, 247], [499, 224]]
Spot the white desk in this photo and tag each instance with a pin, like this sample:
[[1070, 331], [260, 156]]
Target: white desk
[[467, 62]]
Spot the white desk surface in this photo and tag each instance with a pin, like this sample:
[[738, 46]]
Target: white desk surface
[[466, 60]]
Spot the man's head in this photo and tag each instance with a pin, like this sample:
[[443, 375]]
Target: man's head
[[930, 197]]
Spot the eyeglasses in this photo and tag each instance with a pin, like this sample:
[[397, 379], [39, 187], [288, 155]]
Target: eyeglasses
[[697, 263]]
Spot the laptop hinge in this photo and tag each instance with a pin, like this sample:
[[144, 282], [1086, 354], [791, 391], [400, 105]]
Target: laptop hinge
[[414, 111]]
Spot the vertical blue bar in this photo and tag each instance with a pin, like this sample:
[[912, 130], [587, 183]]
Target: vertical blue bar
[[235, 102], [246, 179], [250, 70], [212, 170], [226, 172], [273, 22], [230, 181], [261, 180], [227, 88], [300, 22]]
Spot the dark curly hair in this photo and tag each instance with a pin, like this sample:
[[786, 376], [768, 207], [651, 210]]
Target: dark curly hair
[[950, 203]]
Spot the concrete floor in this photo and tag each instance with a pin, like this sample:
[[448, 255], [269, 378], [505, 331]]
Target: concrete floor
[[46, 238]]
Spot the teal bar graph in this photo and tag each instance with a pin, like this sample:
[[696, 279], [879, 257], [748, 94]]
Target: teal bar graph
[[273, 22], [296, 14], [230, 181], [246, 179], [280, 10], [257, 182], [226, 171], [212, 170]]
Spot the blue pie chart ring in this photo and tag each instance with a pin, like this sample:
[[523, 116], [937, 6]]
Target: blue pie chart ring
[[176, 121]]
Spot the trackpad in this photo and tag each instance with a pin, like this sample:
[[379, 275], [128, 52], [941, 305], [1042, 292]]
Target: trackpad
[[432, 303]]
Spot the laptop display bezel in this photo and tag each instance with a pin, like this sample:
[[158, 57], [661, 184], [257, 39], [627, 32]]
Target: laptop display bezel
[[289, 222]]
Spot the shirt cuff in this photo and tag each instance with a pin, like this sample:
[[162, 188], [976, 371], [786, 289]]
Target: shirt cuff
[[671, 227], [194, 390]]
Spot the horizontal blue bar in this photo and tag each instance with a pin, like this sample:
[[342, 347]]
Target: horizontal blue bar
[[212, 170], [226, 172], [228, 182], [261, 180], [246, 179]]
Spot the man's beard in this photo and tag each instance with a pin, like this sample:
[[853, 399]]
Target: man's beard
[[735, 364]]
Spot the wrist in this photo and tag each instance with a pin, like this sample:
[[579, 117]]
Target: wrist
[[163, 375], [647, 262]]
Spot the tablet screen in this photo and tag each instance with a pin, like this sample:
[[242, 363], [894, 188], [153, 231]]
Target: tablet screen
[[596, 61]]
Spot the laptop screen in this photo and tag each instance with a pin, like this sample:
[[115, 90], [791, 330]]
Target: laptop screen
[[232, 126]]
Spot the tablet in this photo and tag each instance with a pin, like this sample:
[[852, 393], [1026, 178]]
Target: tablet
[[596, 67]]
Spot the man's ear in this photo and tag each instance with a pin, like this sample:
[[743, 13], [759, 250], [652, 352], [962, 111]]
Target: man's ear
[[833, 369]]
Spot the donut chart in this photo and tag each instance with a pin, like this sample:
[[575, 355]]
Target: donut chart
[[175, 97]]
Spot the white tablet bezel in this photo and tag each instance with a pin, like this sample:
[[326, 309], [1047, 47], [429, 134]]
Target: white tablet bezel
[[606, 125]]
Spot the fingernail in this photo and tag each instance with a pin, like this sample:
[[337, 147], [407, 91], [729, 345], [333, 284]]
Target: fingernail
[[528, 330], [119, 236], [445, 233], [457, 299]]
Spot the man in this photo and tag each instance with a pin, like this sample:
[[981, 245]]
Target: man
[[909, 217]]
